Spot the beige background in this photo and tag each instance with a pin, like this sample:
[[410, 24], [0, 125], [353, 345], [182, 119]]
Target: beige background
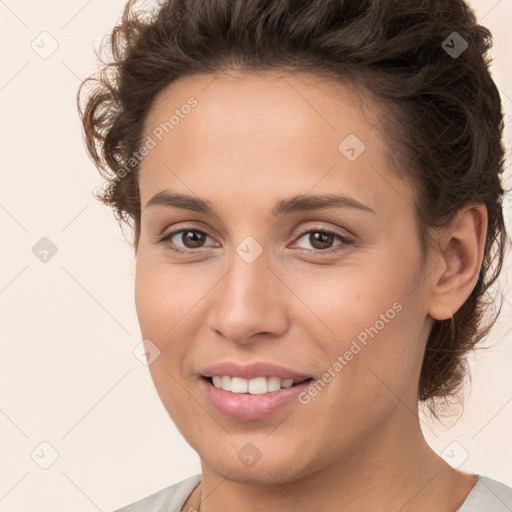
[[67, 372]]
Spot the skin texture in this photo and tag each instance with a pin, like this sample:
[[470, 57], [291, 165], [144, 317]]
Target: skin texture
[[251, 141]]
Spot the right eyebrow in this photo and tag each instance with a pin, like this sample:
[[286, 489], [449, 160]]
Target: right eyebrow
[[184, 201]]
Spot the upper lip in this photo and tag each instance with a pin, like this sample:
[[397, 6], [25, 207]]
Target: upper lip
[[252, 370]]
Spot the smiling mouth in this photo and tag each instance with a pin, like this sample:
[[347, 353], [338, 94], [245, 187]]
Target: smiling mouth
[[255, 386]]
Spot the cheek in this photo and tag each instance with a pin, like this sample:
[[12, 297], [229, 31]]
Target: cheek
[[165, 296], [162, 312], [170, 301], [149, 297], [349, 300], [366, 322]]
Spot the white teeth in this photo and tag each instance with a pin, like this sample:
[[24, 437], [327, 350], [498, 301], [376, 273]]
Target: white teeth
[[274, 383], [287, 383], [256, 386], [226, 383], [238, 385]]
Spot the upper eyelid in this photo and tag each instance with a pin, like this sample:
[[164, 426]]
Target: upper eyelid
[[167, 235], [296, 234], [191, 227], [191, 223], [344, 239]]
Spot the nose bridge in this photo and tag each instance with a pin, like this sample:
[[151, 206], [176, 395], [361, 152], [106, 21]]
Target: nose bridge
[[248, 299], [247, 284]]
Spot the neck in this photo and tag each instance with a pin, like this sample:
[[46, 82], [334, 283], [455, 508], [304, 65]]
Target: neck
[[397, 470]]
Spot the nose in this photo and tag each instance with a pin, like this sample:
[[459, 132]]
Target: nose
[[250, 302]]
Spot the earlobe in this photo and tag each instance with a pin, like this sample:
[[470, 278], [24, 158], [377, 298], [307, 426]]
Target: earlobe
[[458, 260]]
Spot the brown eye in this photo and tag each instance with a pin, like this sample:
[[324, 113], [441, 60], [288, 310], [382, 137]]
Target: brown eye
[[192, 239], [185, 239], [320, 240]]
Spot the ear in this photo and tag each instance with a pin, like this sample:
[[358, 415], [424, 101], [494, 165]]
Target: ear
[[456, 261]]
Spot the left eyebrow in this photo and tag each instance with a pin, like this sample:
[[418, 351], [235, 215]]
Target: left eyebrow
[[318, 202], [298, 203]]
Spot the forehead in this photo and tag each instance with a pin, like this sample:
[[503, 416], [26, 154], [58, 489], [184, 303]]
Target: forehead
[[252, 134], [273, 108]]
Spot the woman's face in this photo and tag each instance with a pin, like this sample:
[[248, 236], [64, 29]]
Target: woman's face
[[334, 294]]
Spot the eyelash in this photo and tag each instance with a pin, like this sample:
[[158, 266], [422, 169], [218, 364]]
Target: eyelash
[[344, 240]]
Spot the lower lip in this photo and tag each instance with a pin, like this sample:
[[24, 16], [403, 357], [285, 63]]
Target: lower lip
[[244, 406]]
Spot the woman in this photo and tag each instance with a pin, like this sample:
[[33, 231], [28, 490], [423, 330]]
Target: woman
[[314, 188]]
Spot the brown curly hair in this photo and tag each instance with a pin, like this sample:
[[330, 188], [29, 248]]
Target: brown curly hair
[[443, 121]]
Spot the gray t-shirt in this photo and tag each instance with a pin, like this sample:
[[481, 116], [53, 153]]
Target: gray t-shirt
[[487, 495]]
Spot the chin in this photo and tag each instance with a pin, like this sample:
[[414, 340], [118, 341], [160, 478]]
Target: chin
[[258, 462]]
